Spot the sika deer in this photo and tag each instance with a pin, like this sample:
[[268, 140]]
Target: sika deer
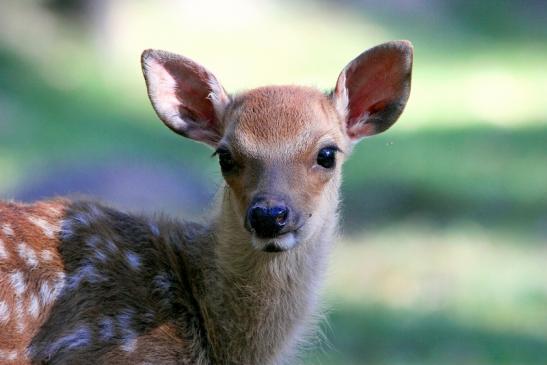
[[81, 283]]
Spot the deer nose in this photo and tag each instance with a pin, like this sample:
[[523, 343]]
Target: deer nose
[[267, 220]]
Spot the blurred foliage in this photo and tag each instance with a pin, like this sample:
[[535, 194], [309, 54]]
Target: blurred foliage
[[375, 335], [445, 214], [417, 295], [490, 176]]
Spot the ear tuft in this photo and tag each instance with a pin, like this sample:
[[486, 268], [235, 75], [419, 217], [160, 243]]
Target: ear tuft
[[372, 90], [187, 97]]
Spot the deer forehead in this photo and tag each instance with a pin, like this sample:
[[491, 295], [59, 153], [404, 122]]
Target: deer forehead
[[284, 120]]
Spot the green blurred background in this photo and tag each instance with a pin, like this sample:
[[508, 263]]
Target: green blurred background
[[443, 256]]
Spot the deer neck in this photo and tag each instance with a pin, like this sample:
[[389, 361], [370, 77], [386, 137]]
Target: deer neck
[[260, 304]]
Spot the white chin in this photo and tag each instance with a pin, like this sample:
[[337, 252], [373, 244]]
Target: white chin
[[278, 244]]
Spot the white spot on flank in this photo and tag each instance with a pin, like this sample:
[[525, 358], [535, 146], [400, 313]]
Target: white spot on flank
[[154, 229], [4, 312], [106, 326], [6, 228], [101, 256], [88, 273], [34, 306], [111, 246], [46, 255], [48, 294], [3, 252], [130, 344], [133, 260], [79, 337], [125, 321], [46, 227], [18, 282], [27, 254], [60, 279], [9, 355], [81, 218]]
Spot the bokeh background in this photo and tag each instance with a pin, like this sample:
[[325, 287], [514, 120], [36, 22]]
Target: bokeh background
[[443, 258]]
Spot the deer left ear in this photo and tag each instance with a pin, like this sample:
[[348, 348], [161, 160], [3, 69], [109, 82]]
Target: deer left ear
[[372, 90], [186, 96]]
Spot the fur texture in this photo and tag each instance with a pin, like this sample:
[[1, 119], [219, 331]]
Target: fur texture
[[117, 288]]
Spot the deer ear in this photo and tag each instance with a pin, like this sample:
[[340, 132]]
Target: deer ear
[[372, 90], [186, 97]]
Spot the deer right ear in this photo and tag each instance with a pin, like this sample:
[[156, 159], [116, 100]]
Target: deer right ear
[[187, 98], [372, 90]]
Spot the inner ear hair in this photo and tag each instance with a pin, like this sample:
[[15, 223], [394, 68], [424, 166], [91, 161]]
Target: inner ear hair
[[372, 90]]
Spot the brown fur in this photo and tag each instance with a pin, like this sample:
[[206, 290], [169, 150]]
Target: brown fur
[[83, 283], [277, 131]]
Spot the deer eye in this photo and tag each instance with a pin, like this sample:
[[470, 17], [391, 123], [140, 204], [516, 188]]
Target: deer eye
[[327, 157], [227, 163]]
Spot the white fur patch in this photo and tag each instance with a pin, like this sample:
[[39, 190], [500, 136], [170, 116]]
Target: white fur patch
[[8, 355], [82, 218], [6, 228], [283, 242], [48, 293], [101, 256], [18, 282], [133, 260], [106, 329], [130, 344], [34, 306], [125, 322], [3, 252], [85, 273], [46, 255], [27, 254], [154, 229], [46, 227], [111, 246], [77, 338], [4, 312]]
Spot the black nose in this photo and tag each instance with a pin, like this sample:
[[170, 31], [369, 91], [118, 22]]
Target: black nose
[[267, 221]]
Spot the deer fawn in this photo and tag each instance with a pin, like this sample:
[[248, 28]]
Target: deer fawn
[[81, 283]]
